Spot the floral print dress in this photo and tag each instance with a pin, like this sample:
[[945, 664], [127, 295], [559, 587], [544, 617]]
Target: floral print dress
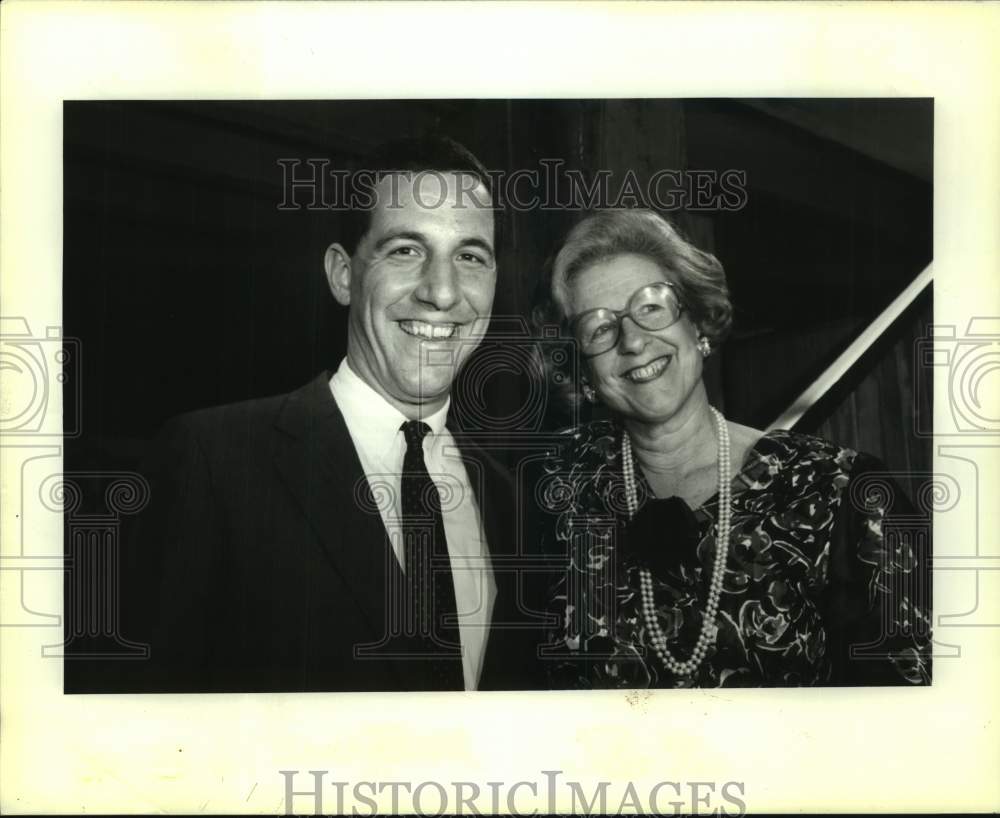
[[823, 585]]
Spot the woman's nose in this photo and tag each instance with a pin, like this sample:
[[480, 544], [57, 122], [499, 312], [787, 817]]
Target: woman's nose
[[631, 337]]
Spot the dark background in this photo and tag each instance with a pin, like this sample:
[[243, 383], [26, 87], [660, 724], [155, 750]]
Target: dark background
[[188, 287]]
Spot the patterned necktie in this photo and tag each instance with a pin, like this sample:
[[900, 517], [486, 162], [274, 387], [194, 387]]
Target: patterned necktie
[[429, 590]]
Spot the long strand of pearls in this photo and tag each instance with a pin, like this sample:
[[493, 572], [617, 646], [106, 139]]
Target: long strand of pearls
[[708, 626]]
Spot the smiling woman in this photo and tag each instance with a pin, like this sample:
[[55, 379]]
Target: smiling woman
[[701, 552]]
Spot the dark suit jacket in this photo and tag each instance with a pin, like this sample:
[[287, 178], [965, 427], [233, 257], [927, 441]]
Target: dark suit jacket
[[256, 568]]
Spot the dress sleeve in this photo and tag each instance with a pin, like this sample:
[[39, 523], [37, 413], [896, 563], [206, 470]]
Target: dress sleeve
[[562, 664], [583, 653], [554, 492], [877, 604], [577, 634]]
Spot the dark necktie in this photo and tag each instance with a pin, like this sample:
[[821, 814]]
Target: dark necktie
[[429, 590]]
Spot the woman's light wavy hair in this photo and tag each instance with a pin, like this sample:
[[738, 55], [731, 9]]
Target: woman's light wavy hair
[[699, 276]]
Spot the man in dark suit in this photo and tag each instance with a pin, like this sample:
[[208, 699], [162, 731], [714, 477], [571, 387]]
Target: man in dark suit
[[341, 537]]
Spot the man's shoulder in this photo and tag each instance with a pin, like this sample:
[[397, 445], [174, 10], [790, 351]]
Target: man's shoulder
[[247, 420], [226, 421], [220, 413]]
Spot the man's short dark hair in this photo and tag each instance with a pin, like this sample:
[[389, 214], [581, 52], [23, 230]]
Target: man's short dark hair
[[431, 152]]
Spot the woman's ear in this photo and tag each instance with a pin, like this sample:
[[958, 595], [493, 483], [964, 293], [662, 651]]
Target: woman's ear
[[337, 264]]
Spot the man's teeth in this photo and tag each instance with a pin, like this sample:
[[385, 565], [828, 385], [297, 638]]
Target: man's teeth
[[424, 330], [650, 370]]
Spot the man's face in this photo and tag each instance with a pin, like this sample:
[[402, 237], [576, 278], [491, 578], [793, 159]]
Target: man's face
[[421, 288]]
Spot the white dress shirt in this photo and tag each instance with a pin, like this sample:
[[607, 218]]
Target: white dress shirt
[[374, 426]]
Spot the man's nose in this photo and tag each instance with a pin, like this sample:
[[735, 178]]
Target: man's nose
[[631, 337], [439, 285]]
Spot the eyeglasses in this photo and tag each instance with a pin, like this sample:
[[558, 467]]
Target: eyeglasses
[[655, 306]]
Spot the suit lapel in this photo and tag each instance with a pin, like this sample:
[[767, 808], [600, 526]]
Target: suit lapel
[[493, 492], [320, 466], [317, 461]]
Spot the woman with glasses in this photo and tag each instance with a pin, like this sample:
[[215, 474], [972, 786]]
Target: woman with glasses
[[702, 552]]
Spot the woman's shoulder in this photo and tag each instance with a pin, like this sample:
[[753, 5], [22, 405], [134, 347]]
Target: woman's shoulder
[[583, 434], [802, 459], [595, 441], [797, 447], [581, 468]]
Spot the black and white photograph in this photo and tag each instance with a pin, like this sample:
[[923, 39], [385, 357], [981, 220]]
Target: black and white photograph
[[533, 394], [476, 408]]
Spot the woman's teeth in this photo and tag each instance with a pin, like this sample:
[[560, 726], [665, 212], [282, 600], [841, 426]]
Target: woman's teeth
[[422, 329], [651, 370]]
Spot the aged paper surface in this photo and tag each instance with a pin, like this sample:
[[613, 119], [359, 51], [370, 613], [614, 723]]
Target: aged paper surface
[[920, 750]]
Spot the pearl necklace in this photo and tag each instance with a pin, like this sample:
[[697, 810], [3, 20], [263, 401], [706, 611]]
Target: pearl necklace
[[708, 626]]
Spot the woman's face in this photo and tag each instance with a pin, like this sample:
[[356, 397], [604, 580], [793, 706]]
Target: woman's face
[[647, 376]]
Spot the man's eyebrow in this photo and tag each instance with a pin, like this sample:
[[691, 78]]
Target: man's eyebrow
[[412, 235], [483, 245], [416, 235]]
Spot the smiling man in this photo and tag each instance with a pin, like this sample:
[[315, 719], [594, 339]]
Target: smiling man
[[419, 285], [341, 537]]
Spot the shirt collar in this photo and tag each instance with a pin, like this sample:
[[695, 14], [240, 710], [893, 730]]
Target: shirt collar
[[373, 421]]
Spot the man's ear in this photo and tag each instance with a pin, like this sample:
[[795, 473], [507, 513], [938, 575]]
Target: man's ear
[[337, 263]]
